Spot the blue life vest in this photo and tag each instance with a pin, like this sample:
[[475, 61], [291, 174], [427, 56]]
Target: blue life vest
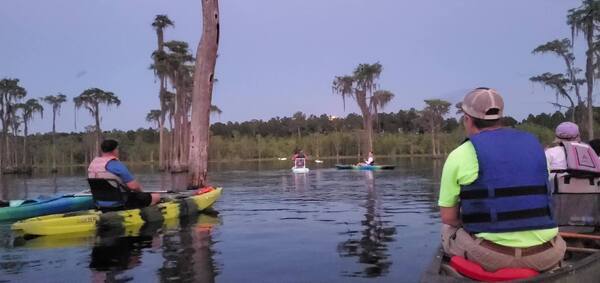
[[511, 192]]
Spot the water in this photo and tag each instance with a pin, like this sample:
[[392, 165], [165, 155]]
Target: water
[[272, 226]]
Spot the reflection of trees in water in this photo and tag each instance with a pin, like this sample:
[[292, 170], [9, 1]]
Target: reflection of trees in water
[[186, 249], [371, 249], [113, 253], [54, 184], [188, 254]]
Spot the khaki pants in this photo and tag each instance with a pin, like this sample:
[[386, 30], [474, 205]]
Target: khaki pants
[[456, 241]]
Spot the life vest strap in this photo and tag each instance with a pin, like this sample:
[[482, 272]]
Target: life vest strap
[[506, 216], [504, 192]]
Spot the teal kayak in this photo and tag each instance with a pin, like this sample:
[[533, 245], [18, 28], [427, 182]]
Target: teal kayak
[[365, 167], [45, 205]]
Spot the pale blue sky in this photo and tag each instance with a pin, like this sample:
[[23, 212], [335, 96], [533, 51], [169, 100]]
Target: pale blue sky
[[277, 57]]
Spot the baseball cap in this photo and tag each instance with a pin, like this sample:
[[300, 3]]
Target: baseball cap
[[483, 103], [567, 131]]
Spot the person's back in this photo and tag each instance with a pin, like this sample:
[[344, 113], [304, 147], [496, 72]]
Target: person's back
[[555, 155], [494, 200], [107, 166]]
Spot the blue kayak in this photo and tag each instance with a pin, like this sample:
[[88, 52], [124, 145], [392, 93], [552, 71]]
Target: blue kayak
[[45, 205]]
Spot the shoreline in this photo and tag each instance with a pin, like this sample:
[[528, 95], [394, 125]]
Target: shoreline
[[271, 159]]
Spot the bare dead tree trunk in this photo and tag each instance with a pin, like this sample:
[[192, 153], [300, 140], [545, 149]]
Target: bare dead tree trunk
[[98, 131], [25, 145], [367, 137], [161, 129], [206, 60], [589, 76], [54, 140], [177, 132]]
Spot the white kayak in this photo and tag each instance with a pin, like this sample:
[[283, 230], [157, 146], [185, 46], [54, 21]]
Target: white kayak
[[300, 170]]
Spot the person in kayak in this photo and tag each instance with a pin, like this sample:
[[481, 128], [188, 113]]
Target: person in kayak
[[556, 155], [494, 198], [108, 166], [299, 159], [369, 162]]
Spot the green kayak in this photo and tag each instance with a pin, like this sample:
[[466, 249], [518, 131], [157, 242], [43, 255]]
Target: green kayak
[[365, 167]]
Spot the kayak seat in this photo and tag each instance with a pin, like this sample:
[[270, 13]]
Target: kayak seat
[[299, 163], [108, 195], [474, 271]]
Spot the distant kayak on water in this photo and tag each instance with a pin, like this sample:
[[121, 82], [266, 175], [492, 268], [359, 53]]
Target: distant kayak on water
[[364, 167], [21, 209]]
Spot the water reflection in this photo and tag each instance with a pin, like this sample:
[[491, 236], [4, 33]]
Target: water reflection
[[371, 248], [185, 245], [120, 249], [188, 254]]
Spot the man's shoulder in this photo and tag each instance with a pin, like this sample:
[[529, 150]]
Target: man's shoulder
[[116, 165], [464, 150]]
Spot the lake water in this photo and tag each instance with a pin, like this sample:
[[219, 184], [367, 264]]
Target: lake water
[[272, 226]]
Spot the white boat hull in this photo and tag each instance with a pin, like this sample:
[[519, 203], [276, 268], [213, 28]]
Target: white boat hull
[[300, 170]]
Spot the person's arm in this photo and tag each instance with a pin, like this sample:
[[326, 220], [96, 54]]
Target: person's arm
[[134, 185], [460, 168], [450, 216], [118, 168]]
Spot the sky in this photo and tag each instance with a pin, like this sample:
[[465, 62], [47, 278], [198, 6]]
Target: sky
[[278, 57]]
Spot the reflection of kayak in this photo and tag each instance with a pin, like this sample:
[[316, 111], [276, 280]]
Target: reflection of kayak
[[203, 221], [365, 167], [90, 220], [44, 206], [300, 170]]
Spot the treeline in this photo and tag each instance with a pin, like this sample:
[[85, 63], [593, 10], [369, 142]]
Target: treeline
[[403, 121], [322, 136]]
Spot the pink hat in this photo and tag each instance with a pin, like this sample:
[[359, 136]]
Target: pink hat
[[567, 131]]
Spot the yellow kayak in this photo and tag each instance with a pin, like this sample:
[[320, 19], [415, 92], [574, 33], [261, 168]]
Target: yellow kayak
[[90, 238], [91, 220]]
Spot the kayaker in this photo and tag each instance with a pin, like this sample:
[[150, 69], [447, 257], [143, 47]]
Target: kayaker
[[574, 175], [108, 166], [555, 155], [370, 160], [494, 198], [299, 159], [298, 154]]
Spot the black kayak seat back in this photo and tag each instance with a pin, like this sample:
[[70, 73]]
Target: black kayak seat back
[[108, 194]]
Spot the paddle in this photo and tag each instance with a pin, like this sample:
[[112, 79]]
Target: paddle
[[88, 193]]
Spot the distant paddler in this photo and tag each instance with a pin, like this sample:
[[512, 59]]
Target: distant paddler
[[108, 167], [369, 162], [299, 160]]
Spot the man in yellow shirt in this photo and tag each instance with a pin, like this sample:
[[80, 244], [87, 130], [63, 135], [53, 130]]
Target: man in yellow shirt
[[494, 200]]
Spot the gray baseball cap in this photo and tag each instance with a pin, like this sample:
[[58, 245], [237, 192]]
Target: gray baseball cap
[[480, 103]]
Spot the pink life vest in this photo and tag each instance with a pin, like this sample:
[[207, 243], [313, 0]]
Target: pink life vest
[[581, 159], [97, 169]]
